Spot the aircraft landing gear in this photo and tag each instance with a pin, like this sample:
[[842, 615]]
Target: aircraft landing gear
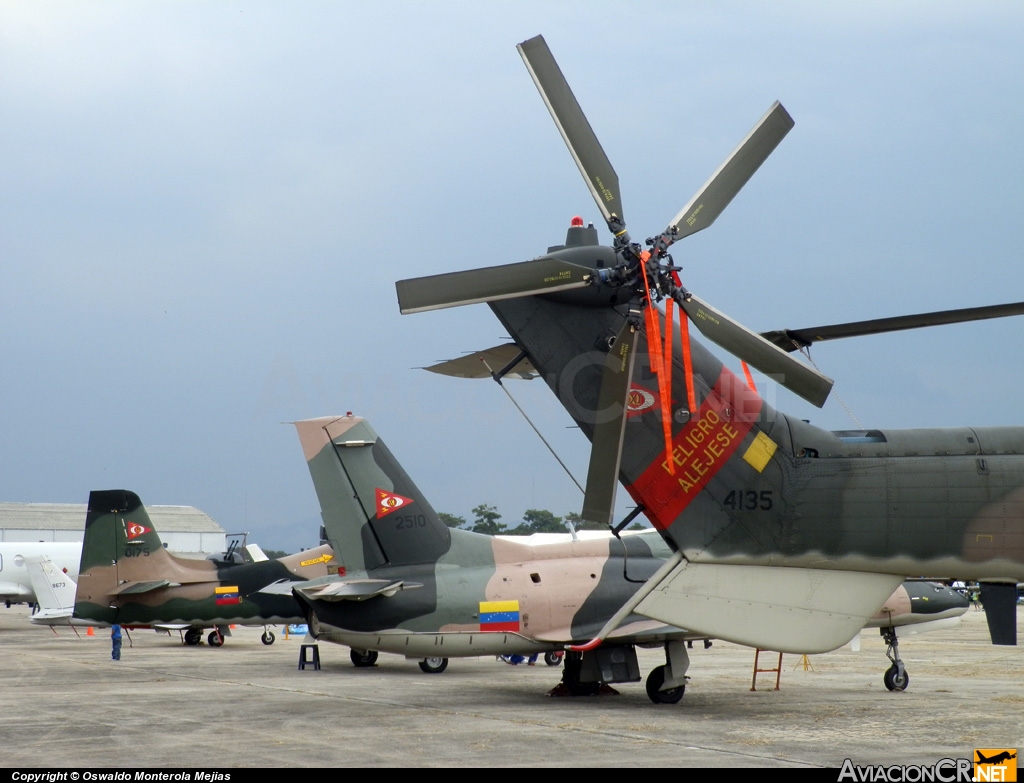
[[193, 636], [215, 639], [896, 677], [571, 676], [672, 674], [433, 665], [553, 658], [363, 658], [268, 636], [654, 690]]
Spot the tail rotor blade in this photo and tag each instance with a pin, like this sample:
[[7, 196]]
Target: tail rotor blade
[[540, 276], [606, 449], [758, 352], [573, 125], [732, 175]]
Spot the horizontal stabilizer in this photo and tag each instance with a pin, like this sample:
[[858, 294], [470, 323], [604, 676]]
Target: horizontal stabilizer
[[474, 365], [280, 587], [134, 588], [793, 610], [355, 589]]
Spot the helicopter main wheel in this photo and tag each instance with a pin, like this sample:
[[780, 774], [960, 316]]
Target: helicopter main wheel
[[215, 639], [654, 691], [552, 658], [362, 658], [193, 636], [571, 677], [268, 637], [433, 665], [894, 681]]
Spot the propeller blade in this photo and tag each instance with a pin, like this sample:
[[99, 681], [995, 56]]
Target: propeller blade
[[793, 339], [758, 352], [732, 175], [579, 137], [540, 276], [606, 449]]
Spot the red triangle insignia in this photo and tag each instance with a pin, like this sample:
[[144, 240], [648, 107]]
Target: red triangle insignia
[[134, 529], [389, 501]]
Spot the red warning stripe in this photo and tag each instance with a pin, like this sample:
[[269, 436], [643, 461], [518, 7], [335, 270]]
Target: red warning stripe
[[699, 450]]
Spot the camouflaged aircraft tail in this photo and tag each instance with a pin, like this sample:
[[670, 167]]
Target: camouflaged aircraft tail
[[373, 513], [123, 557], [117, 526]]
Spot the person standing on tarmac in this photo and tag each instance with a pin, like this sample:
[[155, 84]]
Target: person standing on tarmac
[[115, 641]]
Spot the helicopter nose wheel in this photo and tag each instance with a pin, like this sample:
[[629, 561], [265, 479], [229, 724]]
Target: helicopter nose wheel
[[895, 677], [655, 692]]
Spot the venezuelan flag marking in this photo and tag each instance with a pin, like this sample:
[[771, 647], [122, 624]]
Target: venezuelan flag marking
[[499, 616], [227, 595]]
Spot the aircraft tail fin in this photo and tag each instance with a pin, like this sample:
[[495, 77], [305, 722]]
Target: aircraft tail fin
[[54, 589], [373, 513], [120, 547]]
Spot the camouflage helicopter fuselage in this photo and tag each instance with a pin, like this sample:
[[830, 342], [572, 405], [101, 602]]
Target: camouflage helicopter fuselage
[[777, 522], [753, 486]]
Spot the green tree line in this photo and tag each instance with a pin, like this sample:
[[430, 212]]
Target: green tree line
[[535, 520]]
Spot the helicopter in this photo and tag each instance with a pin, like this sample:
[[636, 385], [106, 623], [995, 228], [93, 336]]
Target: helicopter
[[785, 536]]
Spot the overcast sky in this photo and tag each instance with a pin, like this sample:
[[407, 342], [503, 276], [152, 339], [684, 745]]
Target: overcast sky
[[204, 207]]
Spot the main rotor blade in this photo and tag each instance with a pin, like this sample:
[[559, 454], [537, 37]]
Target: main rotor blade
[[793, 339], [758, 352], [606, 448], [540, 276], [732, 175], [579, 137]]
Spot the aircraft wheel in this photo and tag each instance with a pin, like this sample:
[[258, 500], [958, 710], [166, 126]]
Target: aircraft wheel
[[361, 658], [552, 658], [193, 636], [654, 682], [434, 665], [571, 678], [268, 637], [215, 639], [893, 681]]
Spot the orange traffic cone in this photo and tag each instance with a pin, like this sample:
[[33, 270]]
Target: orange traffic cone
[[90, 632]]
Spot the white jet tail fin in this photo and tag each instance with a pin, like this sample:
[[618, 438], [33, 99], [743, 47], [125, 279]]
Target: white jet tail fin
[[54, 589]]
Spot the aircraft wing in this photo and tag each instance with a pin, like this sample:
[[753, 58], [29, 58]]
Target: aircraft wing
[[354, 589]]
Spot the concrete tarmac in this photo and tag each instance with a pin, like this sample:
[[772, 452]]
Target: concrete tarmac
[[66, 704]]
